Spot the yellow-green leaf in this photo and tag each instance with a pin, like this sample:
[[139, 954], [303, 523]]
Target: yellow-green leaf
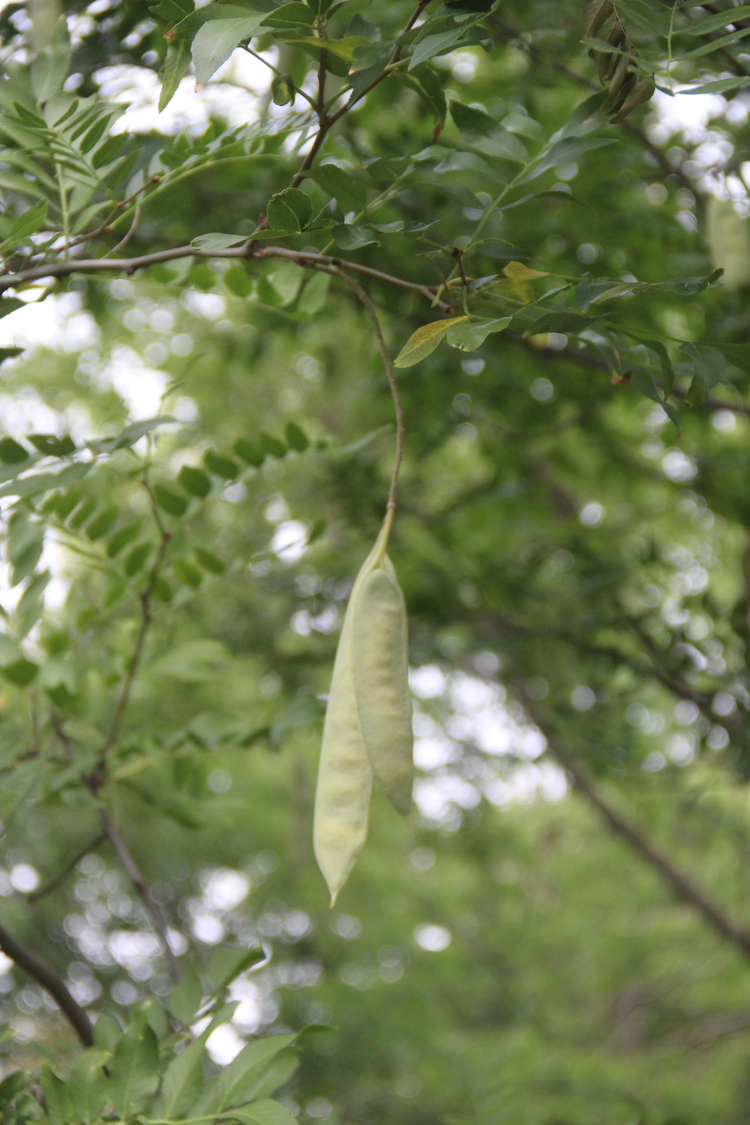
[[517, 271], [425, 340]]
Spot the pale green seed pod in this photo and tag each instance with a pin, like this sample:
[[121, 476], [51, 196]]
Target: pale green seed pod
[[342, 799], [728, 236], [380, 661]]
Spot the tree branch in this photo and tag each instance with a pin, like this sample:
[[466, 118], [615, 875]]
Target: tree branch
[[682, 886], [129, 266], [139, 883], [327, 122], [60, 878], [50, 982]]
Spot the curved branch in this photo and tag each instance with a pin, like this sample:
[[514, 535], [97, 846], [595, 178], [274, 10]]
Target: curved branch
[[50, 982], [129, 266], [139, 883]]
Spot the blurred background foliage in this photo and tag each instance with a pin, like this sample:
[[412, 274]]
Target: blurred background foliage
[[576, 574]]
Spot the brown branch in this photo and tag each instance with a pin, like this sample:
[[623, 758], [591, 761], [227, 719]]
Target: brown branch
[[60, 878], [139, 883], [682, 886], [50, 982], [131, 231], [129, 266], [326, 123]]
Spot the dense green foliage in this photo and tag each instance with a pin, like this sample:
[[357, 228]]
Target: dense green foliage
[[196, 456]]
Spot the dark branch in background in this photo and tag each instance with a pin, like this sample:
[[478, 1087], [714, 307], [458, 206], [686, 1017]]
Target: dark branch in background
[[683, 887], [50, 982], [139, 883], [60, 878]]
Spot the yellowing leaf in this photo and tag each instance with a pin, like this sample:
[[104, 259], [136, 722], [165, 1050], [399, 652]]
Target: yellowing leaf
[[517, 271], [425, 340]]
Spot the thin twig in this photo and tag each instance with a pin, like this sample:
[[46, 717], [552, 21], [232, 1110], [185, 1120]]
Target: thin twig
[[51, 982], [139, 883], [370, 309], [131, 231], [327, 122], [60, 878]]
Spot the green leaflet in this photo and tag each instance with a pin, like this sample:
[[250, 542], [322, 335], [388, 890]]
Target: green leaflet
[[215, 42], [176, 62]]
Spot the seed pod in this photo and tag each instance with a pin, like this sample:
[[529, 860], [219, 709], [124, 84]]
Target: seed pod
[[606, 63], [618, 81], [379, 651], [342, 799], [642, 92], [595, 15]]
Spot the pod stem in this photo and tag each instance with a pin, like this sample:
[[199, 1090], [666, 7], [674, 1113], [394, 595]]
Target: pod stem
[[390, 506]]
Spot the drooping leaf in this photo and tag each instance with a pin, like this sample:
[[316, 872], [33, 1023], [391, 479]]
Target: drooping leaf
[[122, 538], [88, 1084], [103, 522], [176, 62], [184, 1001], [52, 445], [237, 1082], [186, 573], [12, 1085], [169, 501], [194, 481], [215, 41], [424, 341], [133, 1073], [225, 965], [271, 446], [220, 466], [296, 438], [11, 452], [468, 337], [249, 452], [210, 561], [709, 369]]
